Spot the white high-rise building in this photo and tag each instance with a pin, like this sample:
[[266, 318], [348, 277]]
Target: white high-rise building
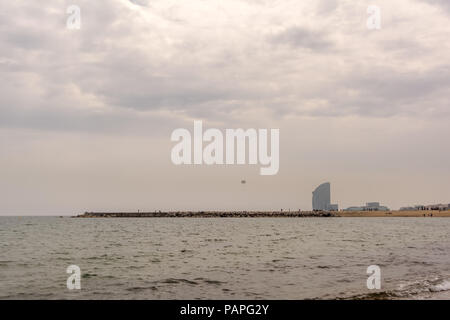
[[321, 197]]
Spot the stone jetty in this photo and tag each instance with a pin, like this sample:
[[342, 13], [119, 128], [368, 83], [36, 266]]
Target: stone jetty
[[209, 214]]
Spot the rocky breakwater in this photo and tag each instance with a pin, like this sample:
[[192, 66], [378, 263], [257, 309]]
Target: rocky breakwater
[[209, 214]]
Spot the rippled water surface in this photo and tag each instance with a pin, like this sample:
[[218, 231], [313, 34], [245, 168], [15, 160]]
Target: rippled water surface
[[228, 258]]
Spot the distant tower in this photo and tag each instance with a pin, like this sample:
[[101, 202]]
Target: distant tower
[[321, 197]]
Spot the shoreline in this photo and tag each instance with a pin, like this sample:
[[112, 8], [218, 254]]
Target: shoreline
[[397, 213], [265, 214]]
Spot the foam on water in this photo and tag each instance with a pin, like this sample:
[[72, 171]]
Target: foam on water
[[420, 289], [444, 286]]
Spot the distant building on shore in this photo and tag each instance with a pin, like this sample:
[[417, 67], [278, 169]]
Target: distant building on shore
[[440, 207], [408, 209], [333, 207], [321, 198], [370, 206]]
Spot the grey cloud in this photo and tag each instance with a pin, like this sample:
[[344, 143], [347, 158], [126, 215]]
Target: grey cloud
[[143, 3], [443, 4], [117, 123], [192, 76], [377, 92], [303, 38], [395, 86], [327, 6]]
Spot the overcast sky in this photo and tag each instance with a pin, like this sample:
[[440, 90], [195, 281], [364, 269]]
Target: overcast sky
[[86, 115]]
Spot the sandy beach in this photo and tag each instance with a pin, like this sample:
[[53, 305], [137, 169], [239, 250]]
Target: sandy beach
[[393, 213]]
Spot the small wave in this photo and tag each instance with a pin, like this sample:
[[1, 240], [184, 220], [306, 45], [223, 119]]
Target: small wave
[[210, 281], [382, 295], [88, 275], [214, 240], [174, 281], [419, 289], [444, 286], [213, 281], [137, 289]]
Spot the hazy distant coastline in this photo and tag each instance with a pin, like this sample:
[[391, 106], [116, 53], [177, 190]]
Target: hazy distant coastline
[[262, 214]]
